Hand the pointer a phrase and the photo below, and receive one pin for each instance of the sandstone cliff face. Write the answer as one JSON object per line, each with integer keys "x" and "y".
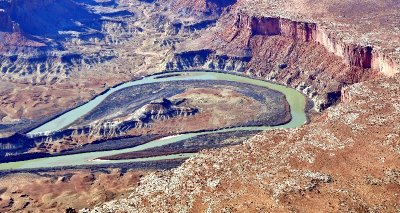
{"x": 300, "y": 54}
{"x": 345, "y": 160}
{"x": 245, "y": 26}
{"x": 207, "y": 60}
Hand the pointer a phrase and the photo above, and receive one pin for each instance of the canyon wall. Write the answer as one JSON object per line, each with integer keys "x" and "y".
{"x": 327, "y": 164}
{"x": 301, "y": 55}
{"x": 206, "y": 59}
{"x": 353, "y": 54}
{"x": 38, "y": 38}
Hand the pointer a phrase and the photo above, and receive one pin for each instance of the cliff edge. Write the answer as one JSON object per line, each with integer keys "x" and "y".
{"x": 318, "y": 51}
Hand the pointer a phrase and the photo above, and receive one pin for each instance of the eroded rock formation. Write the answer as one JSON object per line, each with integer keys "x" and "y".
{"x": 15, "y": 144}
{"x": 246, "y": 26}
{"x": 59, "y": 50}
{"x": 346, "y": 159}
{"x": 286, "y": 51}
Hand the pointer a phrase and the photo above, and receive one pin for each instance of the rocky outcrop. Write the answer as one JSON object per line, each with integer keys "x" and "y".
{"x": 102, "y": 130}
{"x": 44, "y": 65}
{"x": 164, "y": 109}
{"x": 299, "y": 54}
{"x": 141, "y": 118}
{"x": 385, "y": 64}
{"x": 207, "y": 60}
{"x": 244, "y": 27}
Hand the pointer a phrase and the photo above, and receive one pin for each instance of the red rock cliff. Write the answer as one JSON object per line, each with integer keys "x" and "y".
{"x": 244, "y": 27}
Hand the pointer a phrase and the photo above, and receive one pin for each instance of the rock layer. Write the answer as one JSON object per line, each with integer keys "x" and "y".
{"x": 352, "y": 54}
{"x": 265, "y": 46}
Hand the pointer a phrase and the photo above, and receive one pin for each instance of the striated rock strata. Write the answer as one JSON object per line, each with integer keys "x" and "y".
{"x": 363, "y": 56}
{"x": 302, "y": 54}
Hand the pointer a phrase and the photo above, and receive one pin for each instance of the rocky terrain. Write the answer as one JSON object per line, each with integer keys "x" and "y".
{"x": 345, "y": 160}
{"x": 54, "y": 64}
{"x": 344, "y": 55}
{"x": 54, "y": 192}
{"x": 196, "y": 8}
{"x": 192, "y": 145}
{"x": 70, "y": 189}
{"x": 53, "y": 59}
{"x": 55, "y": 55}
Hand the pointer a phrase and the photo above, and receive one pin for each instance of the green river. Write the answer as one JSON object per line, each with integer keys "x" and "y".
{"x": 295, "y": 99}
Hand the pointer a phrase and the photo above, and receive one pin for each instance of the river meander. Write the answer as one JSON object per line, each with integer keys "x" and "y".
{"x": 295, "y": 99}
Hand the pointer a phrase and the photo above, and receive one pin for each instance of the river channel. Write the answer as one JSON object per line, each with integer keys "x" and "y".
{"x": 295, "y": 99}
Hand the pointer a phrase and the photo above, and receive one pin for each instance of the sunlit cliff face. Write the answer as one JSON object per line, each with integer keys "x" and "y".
{"x": 352, "y": 54}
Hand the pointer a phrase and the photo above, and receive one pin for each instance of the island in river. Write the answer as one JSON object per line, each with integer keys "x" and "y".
{"x": 158, "y": 106}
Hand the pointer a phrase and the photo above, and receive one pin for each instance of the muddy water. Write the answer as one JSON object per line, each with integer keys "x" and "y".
{"x": 295, "y": 99}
